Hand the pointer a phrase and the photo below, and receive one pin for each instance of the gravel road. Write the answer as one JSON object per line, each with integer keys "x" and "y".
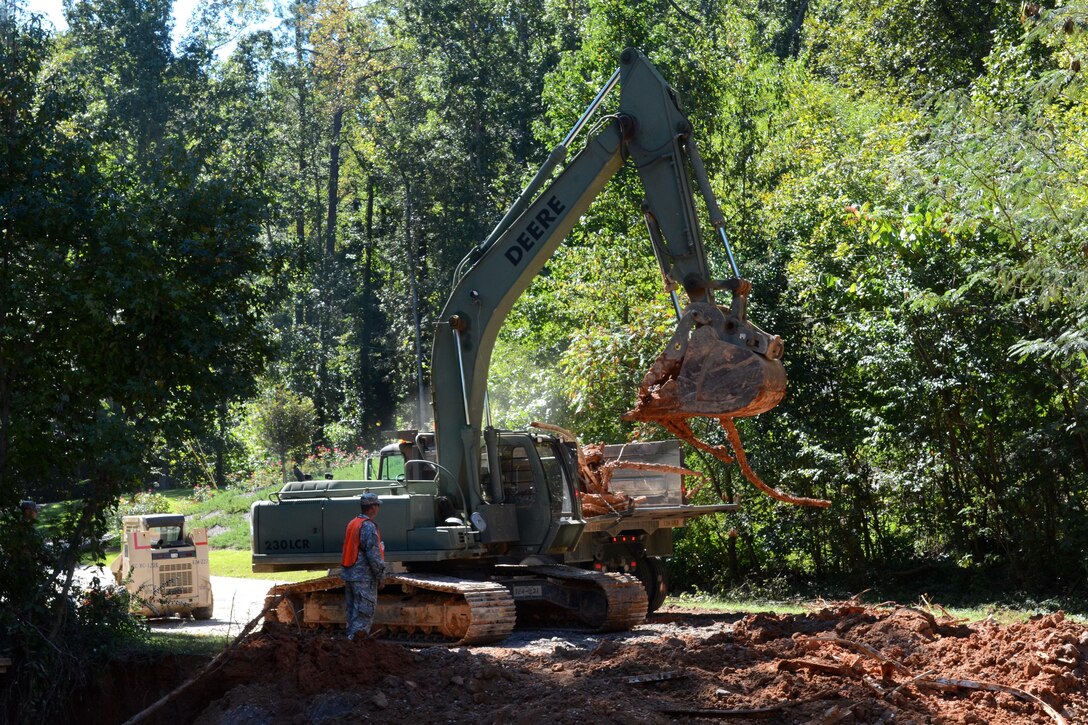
{"x": 237, "y": 601}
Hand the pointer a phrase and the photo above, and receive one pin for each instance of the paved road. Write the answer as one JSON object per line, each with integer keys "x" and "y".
{"x": 236, "y": 602}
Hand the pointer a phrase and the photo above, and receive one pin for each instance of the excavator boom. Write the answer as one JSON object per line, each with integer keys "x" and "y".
{"x": 716, "y": 365}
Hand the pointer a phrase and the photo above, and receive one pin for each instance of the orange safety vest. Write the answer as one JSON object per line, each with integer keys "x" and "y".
{"x": 351, "y": 540}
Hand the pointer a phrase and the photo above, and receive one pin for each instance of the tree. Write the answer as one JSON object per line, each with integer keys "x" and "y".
{"x": 130, "y": 302}
{"x": 284, "y": 423}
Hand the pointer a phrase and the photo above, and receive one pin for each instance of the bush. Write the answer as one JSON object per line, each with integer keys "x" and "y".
{"x": 324, "y": 460}
{"x": 201, "y": 493}
{"x": 142, "y": 503}
{"x": 56, "y": 642}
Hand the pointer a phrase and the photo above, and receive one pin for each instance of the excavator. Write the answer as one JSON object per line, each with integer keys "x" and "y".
{"x": 477, "y": 533}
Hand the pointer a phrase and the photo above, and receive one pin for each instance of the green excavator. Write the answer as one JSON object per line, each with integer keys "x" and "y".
{"x": 479, "y": 534}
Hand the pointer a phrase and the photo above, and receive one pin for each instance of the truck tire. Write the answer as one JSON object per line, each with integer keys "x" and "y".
{"x": 659, "y": 582}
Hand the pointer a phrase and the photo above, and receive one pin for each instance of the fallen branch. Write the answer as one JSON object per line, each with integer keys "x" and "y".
{"x": 220, "y": 659}
{"x": 941, "y": 683}
{"x": 913, "y": 681}
{"x": 861, "y": 648}
{"x": 953, "y": 683}
{"x": 952, "y": 620}
{"x": 826, "y": 668}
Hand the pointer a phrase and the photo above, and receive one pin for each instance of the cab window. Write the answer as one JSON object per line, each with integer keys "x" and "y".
{"x": 558, "y": 491}
{"x": 166, "y": 536}
{"x": 517, "y": 474}
{"x": 390, "y": 467}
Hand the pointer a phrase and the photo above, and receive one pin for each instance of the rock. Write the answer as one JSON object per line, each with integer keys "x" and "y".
{"x": 457, "y": 680}
{"x": 380, "y": 700}
{"x": 558, "y": 667}
{"x": 332, "y": 706}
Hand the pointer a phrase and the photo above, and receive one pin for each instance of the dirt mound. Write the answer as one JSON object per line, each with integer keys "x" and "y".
{"x": 843, "y": 663}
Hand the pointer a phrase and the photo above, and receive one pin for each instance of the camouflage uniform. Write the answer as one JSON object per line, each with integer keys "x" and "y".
{"x": 363, "y": 579}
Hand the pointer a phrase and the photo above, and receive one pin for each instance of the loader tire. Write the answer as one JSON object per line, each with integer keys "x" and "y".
{"x": 201, "y": 613}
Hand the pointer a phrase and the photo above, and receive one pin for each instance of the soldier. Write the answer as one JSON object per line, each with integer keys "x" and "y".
{"x": 30, "y": 510}
{"x": 363, "y": 563}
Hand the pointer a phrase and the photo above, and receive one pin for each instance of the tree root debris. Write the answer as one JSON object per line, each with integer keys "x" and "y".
{"x": 841, "y": 663}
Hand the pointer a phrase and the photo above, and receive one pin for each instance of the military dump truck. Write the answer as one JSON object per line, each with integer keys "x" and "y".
{"x": 164, "y": 565}
{"x": 480, "y": 540}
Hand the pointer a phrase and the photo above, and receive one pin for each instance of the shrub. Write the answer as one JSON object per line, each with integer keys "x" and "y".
{"x": 145, "y": 502}
{"x": 201, "y": 493}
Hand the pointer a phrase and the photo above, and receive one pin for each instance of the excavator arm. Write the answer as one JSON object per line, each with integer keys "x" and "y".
{"x": 717, "y": 364}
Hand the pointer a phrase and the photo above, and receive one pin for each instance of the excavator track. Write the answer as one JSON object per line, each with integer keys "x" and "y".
{"x": 626, "y": 604}
{"x": 486, "y": 613}
{"x": 432, "y": 609}
{"x": 428, "y": 610}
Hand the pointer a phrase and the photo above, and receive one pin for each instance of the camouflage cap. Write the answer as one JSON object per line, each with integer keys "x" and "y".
{"x": 369, "y": 499}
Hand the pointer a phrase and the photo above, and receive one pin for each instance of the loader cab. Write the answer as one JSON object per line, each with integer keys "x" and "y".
{"x": 410, "y": 458}
{"x": 166, "y": 530}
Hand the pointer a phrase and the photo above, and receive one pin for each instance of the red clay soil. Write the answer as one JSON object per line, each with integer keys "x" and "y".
{"x": 841, "y": 664}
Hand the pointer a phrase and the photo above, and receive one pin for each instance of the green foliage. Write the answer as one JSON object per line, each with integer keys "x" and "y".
{"x": 130, "y": 296}
{"x": 916, "y": 47}
{"x": 282, "y": 423}
{"x": 140, "y": 504}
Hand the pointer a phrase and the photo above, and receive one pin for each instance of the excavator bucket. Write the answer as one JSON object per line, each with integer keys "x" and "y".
{"x": 717, "y": 365}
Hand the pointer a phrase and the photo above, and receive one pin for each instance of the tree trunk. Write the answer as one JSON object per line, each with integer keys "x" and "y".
{"x": 220, "y": 447}
{"x": 334, "y": 181}
{"x": 415, "y": 261}
{"x": 300, "y": 211}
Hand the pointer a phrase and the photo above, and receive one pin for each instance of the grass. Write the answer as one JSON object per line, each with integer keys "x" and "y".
{"x": 1000, "y": 613}
{"x": 159, "y": 642}
{"x": 752, "y": 606}
{"x": 237, "y": 563}
{"x": 225, "y": 514}
{"x": 355, "y": 472}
